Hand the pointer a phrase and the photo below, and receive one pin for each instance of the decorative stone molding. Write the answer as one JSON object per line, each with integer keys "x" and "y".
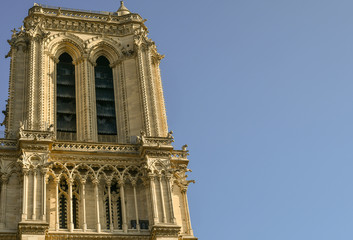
{"x": 87, "y": 147}
{"x": 164, "y": 231}
{"x": 83, "y": 21}
{"x": 36, "y": 135}
{"x": 95, "y": 236}
{"x": 30, "y": 228}
{"x": 8, "y": 236}
{"x": 8, "y": 144}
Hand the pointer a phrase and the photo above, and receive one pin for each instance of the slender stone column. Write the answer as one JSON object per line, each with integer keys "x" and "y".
{"x": 57, "y": 225}
{"x": 34, "y": 215}
{"x": 83, "y": 184}
{"x": 4, "y": 180}
{"x": 71, "y": 213}
{"x": 170, "y": 198}
{"x": 123, "y": 207}
{"x": 95, "y": 182}
{"x": 44, "y": 196}
{"x": 162, "y": 198}
{"x": 25, "y": 194}
{"x": 187, "y": 212}
{"x": 136, "y": 208}
{"x": 111, "y": 226}
{"x": 153, "y": 199}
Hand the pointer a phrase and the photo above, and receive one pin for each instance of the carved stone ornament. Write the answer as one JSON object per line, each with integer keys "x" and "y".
{"x": 32, "y": 228}
{"x": 165, "y": 231}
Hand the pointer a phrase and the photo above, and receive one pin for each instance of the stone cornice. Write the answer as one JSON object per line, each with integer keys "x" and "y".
{"x": 59, "y": 236}
{"x": 165, "y": 231}
{"x": 96, "y": 147}
{"x": 33, "y": 228}
{"x": 81, "y": 21}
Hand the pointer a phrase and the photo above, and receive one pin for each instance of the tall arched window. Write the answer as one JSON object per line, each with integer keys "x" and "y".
{"x": 65, "y": 98}
{"x": 105, "y": 100}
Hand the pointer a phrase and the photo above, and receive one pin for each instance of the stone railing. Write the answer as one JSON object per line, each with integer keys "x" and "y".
{"x": 8, "y": 144}
{"x": 156, "y": 141}
{"x": 87, "y": 15}
{"x": 87, "y": 147}
{"x": 179, "y": 155}
{"x": 36, "y": 135}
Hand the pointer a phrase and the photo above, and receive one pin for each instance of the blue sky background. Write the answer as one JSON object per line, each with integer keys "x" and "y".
{"x": 262, "y": 92}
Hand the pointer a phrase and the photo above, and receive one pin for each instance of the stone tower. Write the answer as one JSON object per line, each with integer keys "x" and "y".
{"x": 87, "y": 153}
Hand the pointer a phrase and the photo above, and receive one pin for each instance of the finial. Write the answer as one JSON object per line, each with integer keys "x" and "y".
{"x": 122, "y": 10}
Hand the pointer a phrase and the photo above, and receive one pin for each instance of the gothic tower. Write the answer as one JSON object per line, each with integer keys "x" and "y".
{"x": 87, "y": 153}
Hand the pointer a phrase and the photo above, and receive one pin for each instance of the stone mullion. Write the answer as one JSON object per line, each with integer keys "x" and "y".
{"x": 87, "y": 79}
{"x": 25, "y": 195}
{"x": 44, "y": 194}
{"x": 123, "y": 207}
{"x": 78, "y": 82}
{"x": 52, "y": 89}
{"x": 143, "y": 91}
{"x": 153, "y": 199}
{"x": 83, "y": 184}
{"x": 96, "y": 193}
{"x": 111, "y": 227}
{"x": 152, "y": 94}
{"x": 42, "y": 125}
{"x": 118, "y": 100}
{"x": 57, "y": 225}
{"x": 162, "y": 110}
{"x": 10, "y": 114}
{"x": 34, "y": 216}
{"x": 92, "y": 93}
{"x": 162, "y": 199}
{"x": 31, "y": 86}
{"x": 170, "y": 199}
{"x": 70, "y": 211}
{"x": 121, "y": 101}
{"x": 136, "y": 207}
{"x": 187, "y": 212}
{"x": 3, "y": 200}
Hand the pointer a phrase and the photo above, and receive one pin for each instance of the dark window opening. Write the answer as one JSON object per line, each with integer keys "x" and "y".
{"x": 65, "y": 95}
{"x": 105, "y": 100}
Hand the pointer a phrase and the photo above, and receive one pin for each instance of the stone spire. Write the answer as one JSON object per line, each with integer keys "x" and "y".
{"x": 122, "y": 10}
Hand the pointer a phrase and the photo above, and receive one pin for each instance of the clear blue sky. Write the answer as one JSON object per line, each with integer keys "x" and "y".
{"x": 262, "y": 92}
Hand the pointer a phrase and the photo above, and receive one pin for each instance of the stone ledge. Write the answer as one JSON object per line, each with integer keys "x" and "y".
{"x": 88, "y": 236}
{"x": 33, "y": 228}
{"x": 171, "y": 231}
{"x": 8, "y": 236}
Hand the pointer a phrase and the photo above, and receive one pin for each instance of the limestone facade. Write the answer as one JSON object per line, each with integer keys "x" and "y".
{"x": 84, "y": 183}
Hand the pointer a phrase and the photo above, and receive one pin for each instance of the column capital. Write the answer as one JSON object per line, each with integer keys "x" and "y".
{"x": 95, "y": 181}
{"x": 70, "y": 181}
{"x": 56, "y": 180}
{"x": 4, "y": 179}
{"x": 25, "y": 171}
{"x": 134, "y": 182}
{"x": 108, "y": 182}
{"x": 121, "y": 182}
{"x": 44, "y": 171}
{"x": 83, "y": 181}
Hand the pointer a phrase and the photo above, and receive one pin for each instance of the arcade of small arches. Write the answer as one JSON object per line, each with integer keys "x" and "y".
{"x": 121, "y": 196}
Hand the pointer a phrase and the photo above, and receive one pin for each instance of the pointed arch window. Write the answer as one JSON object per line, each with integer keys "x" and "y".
{"x": 65, "y": 96}
{"x": 105, "y": 99}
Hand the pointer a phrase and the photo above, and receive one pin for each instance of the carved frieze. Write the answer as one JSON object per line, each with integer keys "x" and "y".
{"x": 165, "y": 231}
{"x": 32, "y": 228}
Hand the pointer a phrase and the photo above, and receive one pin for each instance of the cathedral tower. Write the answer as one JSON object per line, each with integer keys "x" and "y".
{"x": 87, "y": 153}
